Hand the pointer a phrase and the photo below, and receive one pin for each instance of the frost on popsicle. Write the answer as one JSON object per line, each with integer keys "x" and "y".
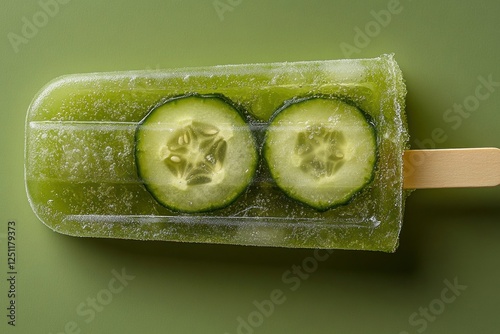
{"x": 105, "y": 153}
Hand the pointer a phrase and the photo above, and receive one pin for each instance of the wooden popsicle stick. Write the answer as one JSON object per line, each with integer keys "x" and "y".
{"x": 451, "y": 168}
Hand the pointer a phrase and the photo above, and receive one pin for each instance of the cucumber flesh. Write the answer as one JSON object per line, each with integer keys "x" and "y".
{"x": 195, "y": 153}
{"x": 321, "y": 151}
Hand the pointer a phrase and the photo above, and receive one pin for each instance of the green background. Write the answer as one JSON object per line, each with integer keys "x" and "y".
{"x": 448, "y": 235}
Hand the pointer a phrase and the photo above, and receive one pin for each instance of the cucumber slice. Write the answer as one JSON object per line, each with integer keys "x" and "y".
{"x": 320, "y": 151}
{"x": 195, "y": 153}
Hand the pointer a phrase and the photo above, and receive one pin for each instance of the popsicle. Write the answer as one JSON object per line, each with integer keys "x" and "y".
{"x": 296, "y": 154}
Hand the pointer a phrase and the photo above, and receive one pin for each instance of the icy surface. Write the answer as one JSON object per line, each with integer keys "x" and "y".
{"x": 81, "y": 174}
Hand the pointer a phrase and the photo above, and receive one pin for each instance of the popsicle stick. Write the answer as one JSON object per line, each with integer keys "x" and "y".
{"x": 451, "y": 168}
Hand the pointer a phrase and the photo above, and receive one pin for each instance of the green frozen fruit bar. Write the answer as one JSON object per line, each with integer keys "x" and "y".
{"x": 295, "y": 154}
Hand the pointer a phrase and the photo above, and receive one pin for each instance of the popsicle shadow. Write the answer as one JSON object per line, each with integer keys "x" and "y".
{"x": 421, "y": 217}
{"x": 405, "y": 261}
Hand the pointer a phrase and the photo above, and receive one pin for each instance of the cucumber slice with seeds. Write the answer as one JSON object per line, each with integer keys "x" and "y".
{"x": 195, "y": 153}
{"x": 320, "y": 151}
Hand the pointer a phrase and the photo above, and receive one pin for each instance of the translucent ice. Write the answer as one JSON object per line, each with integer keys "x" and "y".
{"x": 81, "y": 172}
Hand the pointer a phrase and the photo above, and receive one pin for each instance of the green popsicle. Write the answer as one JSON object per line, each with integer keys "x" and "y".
{"x": 81, "y": 152}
